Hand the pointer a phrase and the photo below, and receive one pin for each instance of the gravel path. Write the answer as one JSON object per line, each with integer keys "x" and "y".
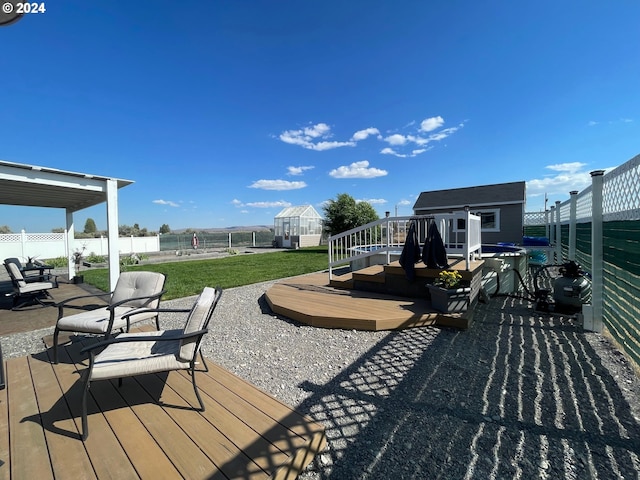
{"x": 516, "y": 396}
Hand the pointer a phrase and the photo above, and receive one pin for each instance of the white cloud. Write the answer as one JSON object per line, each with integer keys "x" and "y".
{"x": 320, "y": 146}
{"x": 363, "y": 134}
{"x": 566, "y": 178}
{"x": 308, "y": 138}
{"x": 388, "y": 151}
{"x": 357, "y": 170}
{"x": 403, "y": 203}
{"x": 166, "y": 202}
{"x": 280, "y": 203}
{"x": 430, "y": 124}
{"x": 277, "y": 185}
{"x": 396, "y": 139}
{"x": 297, "y": 170}
{"x": 373, "y": 201}
{"x": 318, "y": 137}
{"x": 236, "y": 202}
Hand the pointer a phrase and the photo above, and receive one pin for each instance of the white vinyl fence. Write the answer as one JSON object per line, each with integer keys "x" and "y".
{"x": 44, "y": 246}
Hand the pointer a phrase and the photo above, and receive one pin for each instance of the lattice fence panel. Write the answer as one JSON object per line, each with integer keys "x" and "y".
{"x": 44, "y": 237}
{"x": 535, "y": 218}
{"x": 583, "y": 205}
{"x": 621, "y": 192}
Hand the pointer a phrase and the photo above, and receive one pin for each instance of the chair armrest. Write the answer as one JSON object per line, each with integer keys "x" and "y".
{"x": 158, "y": 310}
{"x": 142, "y": 338}
{"x": 149, "y": 298}
{"x": 61, "y": 305}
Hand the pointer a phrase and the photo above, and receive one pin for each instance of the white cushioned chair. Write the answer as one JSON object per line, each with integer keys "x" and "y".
{"x": 141, "y": 353}
{"x": 25, "y": 293}
{"x": 135, "y": 293}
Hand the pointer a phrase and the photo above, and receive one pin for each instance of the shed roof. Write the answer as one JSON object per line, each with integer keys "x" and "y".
{"x": 496, "y": 194}
{"x": 299, "y": 211}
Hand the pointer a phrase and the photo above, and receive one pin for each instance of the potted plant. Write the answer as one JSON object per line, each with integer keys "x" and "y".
{"x": 31, "y": 261}
{"x": 448, "y": 294}
{"x": 78, "y": 255}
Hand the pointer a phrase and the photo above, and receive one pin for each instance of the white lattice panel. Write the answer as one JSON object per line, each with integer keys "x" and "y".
{"x": 10, "y": 237}
{"x": 45, "y": 237}
{"x": 621, "y": 192}
{"x": 535, "y": 218}
{"x": 583, "y": 205}
{"x": 565, "y": 211}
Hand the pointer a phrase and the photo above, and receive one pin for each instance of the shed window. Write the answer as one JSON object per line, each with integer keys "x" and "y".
{"x": 489, "y": 221}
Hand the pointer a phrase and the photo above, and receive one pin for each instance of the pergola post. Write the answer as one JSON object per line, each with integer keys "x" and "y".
{"x": 112, "y": 232}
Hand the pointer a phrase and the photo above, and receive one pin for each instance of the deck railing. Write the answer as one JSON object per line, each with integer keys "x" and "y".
{"x": 388, "y": 235}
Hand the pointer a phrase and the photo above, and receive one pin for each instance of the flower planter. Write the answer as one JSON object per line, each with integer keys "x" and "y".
{"x": 451, "y": 300}
{"x": 78, "y": 279}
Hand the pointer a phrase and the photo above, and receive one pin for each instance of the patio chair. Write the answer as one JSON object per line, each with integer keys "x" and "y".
{"x": 135, "y": 293}
{"x": 25, "y": 293}
{"x": 29, "y": 272}
{"x": 141, "y": 353}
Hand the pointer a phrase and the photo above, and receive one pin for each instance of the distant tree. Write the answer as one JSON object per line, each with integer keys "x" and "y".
{"x": 90, "y": 226}
{"x": 58, "y": 230}
{"x": 344, "y": 213}
{"x": 5, "y": 229}
{"x": 165, "y": 229}
{"x": 125, "y": 230}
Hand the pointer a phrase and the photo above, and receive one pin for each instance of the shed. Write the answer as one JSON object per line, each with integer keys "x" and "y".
{"x": 500, "y": 207}
{"x": 298, "y": 227}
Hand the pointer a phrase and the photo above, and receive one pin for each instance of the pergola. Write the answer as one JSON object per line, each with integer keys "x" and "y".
{"x": 34, "y": 186}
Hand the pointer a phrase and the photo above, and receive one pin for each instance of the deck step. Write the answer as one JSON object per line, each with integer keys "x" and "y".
{"x": 374, "y": 274}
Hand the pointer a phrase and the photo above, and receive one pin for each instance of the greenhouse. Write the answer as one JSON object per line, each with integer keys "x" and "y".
{"x": 298, "y": 227}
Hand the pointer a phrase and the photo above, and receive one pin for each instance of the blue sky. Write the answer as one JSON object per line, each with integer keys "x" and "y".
{"x": 224, "y": 112}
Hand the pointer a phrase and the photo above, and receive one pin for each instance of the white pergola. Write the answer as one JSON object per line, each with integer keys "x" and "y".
{"x": 34, "y": 186}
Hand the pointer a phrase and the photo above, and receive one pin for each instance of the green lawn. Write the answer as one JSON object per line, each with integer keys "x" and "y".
{"x": 186, "y": 278}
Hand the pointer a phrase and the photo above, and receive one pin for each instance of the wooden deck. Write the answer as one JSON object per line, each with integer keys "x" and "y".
{"x": 146, "y": 428}
{"x": 311, "y": 300}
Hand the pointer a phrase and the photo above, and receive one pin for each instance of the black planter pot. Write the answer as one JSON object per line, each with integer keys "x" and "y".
{"x": 78, "y": 279}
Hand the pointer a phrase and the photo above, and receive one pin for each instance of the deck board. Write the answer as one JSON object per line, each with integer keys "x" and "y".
{"x": 146, "y": 428}
{"x": 311, "y": 300}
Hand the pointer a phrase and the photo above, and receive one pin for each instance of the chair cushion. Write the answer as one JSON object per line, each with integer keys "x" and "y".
{"x": 97, "y": 321}
{"x": 197, "y": 320}
{"x": 138, "y": 358}
{"x": 35, "y": 287}
{"x": 138, "y": 284}
{"x": 15, "y": 274}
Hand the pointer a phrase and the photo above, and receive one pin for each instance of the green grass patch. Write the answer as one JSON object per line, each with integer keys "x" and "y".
{"x": 189, "y": 277}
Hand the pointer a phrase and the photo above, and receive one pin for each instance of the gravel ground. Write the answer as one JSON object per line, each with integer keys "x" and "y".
{"x": 518, "y": 395}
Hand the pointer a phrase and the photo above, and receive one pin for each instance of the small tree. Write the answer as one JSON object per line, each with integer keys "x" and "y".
{"x": 90, "y": 226}
{"x": 164, "y": 229}
{"x": 5, "y": 229}
{"x": 344, "y": 213}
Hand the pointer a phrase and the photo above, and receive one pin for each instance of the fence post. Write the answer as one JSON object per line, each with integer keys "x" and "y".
{"x": 558, "y": 234}
{"x": 253, "y": 239}
{"x": 388, "y": 238}
{"x": 551, "y": 217}
{"x": 572, "y": 224}
{"x": 596, "y": 248}
{"x": 229, "y": 240}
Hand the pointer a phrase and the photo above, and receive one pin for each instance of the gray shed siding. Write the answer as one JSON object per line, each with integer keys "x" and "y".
{"x": 507, "y": 198}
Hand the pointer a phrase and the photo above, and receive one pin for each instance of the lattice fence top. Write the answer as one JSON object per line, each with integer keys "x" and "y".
{"x": 45, "y": 237}
{"x": 535, "y": 218}
{"x": 621, "y": 192}
{"x": 620, "y": 199}
{"x": 10, "y": 237}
